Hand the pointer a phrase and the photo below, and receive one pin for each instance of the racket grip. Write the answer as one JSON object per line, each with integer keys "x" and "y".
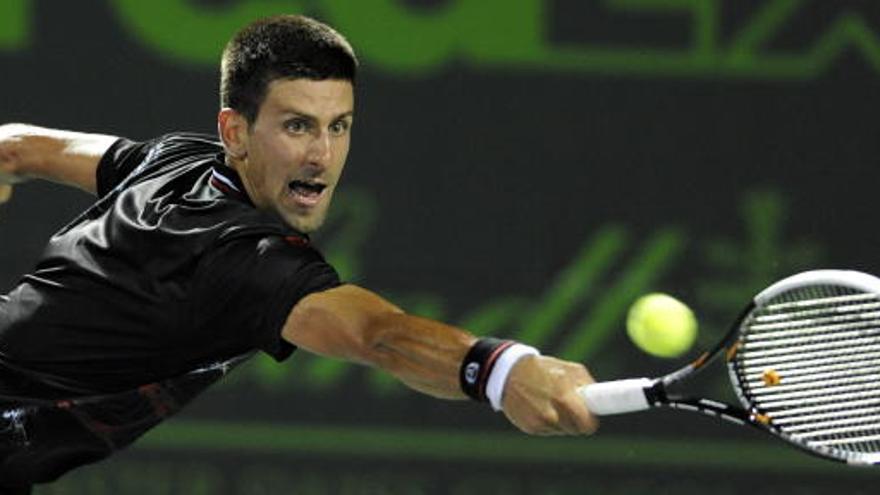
{"x": 616, "y": 397}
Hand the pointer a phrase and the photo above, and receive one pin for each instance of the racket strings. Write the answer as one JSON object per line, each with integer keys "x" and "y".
{"x": 827, "y": 363}
{"x": 808, "y": 397}
{"x": 843, "y": 325}
{"x": 813, "y": 370}
{"x": 847, "y": 353}
{"x": 818, "y": 345}
{"x": 804, "y": 422}
{"x": 869, "y": 309}
{"x": 805, "y": 389}
{"x": 809, "y": 359}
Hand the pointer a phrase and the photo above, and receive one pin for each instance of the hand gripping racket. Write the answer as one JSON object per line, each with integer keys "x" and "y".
{"x": 804, "y": 360}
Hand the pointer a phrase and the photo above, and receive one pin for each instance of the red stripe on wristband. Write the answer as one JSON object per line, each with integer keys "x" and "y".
{"x": 490, "y": 365}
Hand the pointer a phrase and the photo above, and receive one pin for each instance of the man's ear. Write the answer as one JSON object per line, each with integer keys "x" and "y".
{"x": 233, "y": 127}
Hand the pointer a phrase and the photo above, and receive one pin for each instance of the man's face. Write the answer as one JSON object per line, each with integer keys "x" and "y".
{"x": 296, "y": 148}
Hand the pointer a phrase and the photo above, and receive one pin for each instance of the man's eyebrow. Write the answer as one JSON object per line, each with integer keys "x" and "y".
{"x": 299, "y": 113}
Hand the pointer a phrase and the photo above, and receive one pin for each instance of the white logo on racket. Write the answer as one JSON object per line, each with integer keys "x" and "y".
{"x": 471, "y": 371}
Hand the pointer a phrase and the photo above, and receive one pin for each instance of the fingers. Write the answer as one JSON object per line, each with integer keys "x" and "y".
{"x": 542, "y": 398}
{"x": 564, "y": 418}
{"x": 571, "y": 417}
{"x": 575, "y": 419}
{"x": 541, "y": 424}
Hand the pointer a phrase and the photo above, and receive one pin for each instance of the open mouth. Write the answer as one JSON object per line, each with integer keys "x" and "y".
{"x": 305, "y": 191}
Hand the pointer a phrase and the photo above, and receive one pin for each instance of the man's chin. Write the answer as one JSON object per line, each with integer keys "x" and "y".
{"x": 305, "y": 223}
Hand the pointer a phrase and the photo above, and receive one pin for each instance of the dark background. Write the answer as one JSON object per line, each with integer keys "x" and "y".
{"x": 481, "y": 179}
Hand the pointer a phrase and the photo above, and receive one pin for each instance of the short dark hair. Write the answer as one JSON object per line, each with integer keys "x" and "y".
{"x": 280, "y": 47}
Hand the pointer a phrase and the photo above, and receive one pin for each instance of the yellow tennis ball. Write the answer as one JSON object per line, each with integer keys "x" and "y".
{"x": 661, "y": 325}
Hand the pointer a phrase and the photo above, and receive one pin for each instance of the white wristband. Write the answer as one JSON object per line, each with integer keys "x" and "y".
{"x": 498, "y": 377}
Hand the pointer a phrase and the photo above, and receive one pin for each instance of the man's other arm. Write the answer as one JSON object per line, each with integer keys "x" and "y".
{"x": 66, "y": 157}
{"x": 352, "y": 323}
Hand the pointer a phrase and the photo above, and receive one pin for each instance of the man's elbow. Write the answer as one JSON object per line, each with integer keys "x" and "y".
{"x": 13, "y": 152}
{"x": 346, "y": 322}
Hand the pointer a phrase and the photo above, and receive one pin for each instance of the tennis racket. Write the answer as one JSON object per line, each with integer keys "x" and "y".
{"x": 804, "y": 360}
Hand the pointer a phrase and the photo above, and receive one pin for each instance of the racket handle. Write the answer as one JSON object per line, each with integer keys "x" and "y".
{"x": 616, "y": 397}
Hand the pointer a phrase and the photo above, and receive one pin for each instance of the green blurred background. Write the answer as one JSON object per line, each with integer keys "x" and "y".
{"x": 524, "y": 168}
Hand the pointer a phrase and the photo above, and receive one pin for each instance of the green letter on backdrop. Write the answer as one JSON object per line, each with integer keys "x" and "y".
{"x": 14, "y": 23}
{"x": 387, "y": 32}
{"x": 405, "y": 38}
{"x": 190, "y": 33}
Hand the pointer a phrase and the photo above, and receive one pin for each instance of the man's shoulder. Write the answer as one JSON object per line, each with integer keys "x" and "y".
{"x": 186, "y": 142}
{"x": 172, "y": 153}
{"x": 128, "y": 160}
{"x": 195, "y": 138}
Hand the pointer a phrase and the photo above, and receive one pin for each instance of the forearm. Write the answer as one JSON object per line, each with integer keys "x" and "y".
{"x": 357, "y": 325}
{"x": 66, "y": 157}
{"x": 538, "y": 394}
{"x": 424, "y": 354}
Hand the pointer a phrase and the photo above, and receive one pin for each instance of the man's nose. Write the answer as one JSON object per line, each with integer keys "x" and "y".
{"x": 320, "y": 150}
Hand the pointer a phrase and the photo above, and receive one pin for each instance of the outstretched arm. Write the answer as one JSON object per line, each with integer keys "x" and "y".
{"x": 352, "y": 323}
{"x": 66, "y": 157}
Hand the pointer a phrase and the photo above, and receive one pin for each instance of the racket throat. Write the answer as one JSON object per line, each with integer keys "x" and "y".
{"x": 656, "y": 394}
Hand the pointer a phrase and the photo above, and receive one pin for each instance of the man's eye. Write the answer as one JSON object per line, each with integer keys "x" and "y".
{"x": 339, "y": 127}
{"x": 296, "y": 126}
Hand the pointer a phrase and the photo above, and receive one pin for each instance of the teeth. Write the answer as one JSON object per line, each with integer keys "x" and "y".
{"x": 310, "y": 186}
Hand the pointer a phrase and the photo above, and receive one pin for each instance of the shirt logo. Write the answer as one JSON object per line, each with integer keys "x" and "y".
{"x": 296, "y": 240}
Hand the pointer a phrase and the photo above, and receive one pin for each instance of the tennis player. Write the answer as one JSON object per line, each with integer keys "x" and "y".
{"x": 196, "y": 255}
